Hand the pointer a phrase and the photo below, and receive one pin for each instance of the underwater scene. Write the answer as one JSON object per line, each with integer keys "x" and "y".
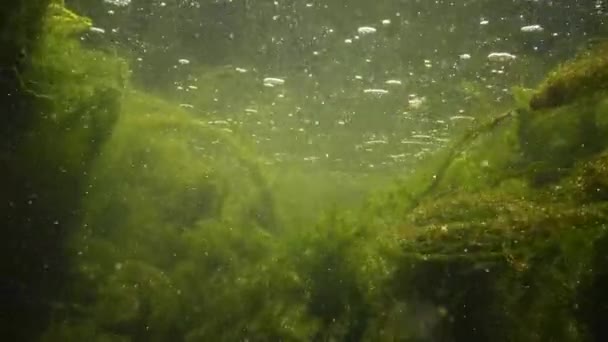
{"x": 304, "y": 170}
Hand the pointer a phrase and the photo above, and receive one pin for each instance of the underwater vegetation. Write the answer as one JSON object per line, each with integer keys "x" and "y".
{"x": 583, "y": 76}
{"x": 169, "y": 228}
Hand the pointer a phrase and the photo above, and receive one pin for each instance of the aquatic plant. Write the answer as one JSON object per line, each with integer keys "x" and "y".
{"x": 579, "y": 77}
{"x": 173, "y": 231}
{"x": 56, "y": 124}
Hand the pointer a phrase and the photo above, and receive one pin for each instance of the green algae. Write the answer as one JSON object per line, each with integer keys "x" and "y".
{"x": 56, "y": 124}
{"x": 177, "y": 235}
{"x": 583, "y": 76}
{"x": 510, "y": 262}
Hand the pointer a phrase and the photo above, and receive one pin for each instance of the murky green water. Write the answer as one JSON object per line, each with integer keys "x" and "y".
{"x": 240, "y": 170}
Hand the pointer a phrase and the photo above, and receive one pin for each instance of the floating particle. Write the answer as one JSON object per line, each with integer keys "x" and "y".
{"x": 393, "y": 82}
{"x": 415, "y": 142}
{"x": 119, "y": 3}
{"x": 348, "y": 41}
{"x": 241, "y": 70}
{"x": 461, "y": 117}
{"x": 386, "y": 22}
{"x": 532, "y": 28}
{"x": 416, "y": 102}
{"x": 376, "y": 142}
{"x": 363, "y": 30}
{"x": 397, "y": 156}
{"x": 219, "y": 122}
{"x": 464, "y": 56}
{"x": 501, "y": 57}
{"x": 183, "y": 61}
{"x": 376, "y": 91}
{"x": 484, "y": 22}
{"x": 273, "y": 81}
{"x": 97, "y": 30}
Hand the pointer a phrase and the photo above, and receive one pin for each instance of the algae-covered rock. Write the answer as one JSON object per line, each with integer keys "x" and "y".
{"x": 513, "y": 252}
{"x": 583, "y": 76}
{"x": 60, "y": 102}
{"x": 163, "y": 182}
{"x": 503, "y": 268}
{"x": 553, "y": 141}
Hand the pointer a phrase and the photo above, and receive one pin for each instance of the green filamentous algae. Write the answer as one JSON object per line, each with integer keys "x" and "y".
{"x": 418, "y": 171}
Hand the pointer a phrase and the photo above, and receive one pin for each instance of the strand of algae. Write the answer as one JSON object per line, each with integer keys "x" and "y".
{"x": 455, "y": 150}
{"x": 582, "y": 76}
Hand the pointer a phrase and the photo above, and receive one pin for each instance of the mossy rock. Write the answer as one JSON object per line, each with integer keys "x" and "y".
{"x": 162, "y": 171}
{"x": 61, "y": 106}
{"x": 581, "y": 77}
{"x": 503, "y": 267}
{"x": 171, "y": 198}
